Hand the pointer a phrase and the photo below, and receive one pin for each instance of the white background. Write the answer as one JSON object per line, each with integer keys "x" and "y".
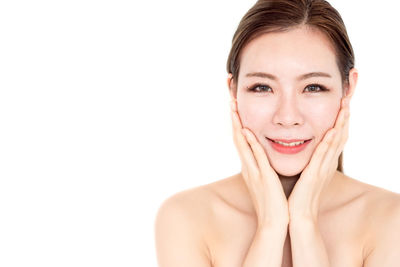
{"x": 109, "y": 107}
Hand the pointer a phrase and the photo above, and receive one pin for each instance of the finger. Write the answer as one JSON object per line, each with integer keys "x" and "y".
{"x": 341, "y": 127}
{"x": 338, "y": 128}
{"x": 245, "y": 153}
{"x": 344, "y": 111}
{"x": 259, "y": 153}
{"x": 337, "y": 144}
{"x": 344, "y": 134}
{"x": 320, "y": 154}
{"x": 330, "y": 160}
{"x": 344, "y": 131}
{"x": 320, "y": 151}
{"x": 269, "y": 178}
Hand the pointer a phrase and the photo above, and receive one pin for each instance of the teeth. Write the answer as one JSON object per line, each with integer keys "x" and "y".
{"x": 290, "y": 144}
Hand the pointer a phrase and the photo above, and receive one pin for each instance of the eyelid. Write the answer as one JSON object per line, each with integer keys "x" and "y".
{"x": 322, "y": 88}
{"x": 254, "y": 86}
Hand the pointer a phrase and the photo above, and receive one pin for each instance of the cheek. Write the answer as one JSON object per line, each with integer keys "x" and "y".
{"x": 254, "y": 115}
{"x": 322, "y": 117}
{"x": 318, "y": 116}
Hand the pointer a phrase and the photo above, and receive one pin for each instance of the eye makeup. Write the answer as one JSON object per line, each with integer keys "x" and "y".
{"x": 262, "y": 88}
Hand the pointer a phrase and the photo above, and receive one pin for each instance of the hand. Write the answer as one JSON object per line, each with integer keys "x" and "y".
{"x": 305, "y": 197}
{"x": 263, "y": 184}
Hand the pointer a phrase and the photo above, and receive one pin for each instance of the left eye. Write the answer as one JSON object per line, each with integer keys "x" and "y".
{"x": 315, "y": 88}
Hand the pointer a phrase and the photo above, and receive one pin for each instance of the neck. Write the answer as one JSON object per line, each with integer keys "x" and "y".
{"x": 288, "y": 183}
{"x": 334, "y": 190}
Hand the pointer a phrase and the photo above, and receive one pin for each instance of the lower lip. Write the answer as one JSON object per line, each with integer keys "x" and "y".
{"x": 288, "y": 149}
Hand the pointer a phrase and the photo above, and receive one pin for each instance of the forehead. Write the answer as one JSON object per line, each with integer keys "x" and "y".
{"x": 289, "y": 53}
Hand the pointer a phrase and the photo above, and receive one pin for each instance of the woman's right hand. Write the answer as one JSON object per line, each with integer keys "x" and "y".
{"x": 263, "y": 184}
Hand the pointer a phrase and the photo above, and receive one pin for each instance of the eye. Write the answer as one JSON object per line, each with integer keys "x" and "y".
{"x": 316, "y": 88}
{"x": 259, "y": 88}
{"x": 263, "y": 88}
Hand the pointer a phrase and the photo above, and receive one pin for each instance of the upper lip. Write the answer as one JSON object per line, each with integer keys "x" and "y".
{"x": 288, "y": 140}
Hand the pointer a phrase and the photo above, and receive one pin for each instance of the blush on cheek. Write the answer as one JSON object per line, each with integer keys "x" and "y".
{"x": 256, "y": 124}
{"x": 324, "y": 114}
{"x": 252, "y": 116}
{"x": 326, "y": 123}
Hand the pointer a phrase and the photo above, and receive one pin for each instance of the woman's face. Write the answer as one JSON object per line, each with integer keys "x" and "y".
{"x": 284, "y": 105}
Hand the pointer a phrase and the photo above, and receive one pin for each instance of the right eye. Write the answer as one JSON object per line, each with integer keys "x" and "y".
{"x": 259, "y": 88}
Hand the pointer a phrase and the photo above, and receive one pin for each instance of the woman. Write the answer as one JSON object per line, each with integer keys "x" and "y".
{"x": 291, "y": 77}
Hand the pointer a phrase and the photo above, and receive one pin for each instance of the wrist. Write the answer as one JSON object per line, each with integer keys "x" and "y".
{"x": 273, "y": 226}
{"x": 302, "y": 222}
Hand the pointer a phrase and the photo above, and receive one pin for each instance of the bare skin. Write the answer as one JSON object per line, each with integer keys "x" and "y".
{"x": 229, "y": 220}
{"x": 217, "y": 224}
{"x": 220, "y": 224}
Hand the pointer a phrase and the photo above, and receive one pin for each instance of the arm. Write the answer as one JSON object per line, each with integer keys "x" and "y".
{"x": 308, "y": 248}
{"x": 178, "y": 239}
{"x": 267, "y": 247}
{"x": 267, "y": 195}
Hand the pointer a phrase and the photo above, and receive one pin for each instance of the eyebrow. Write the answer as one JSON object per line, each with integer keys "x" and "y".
{"x": 300, "y": 78}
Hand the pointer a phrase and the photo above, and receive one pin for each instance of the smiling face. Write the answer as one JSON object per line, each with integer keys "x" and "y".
{"x": 283, "y": 104}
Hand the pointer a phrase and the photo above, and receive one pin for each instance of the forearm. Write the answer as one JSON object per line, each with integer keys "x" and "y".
{"x": 267, "y": 247}
{"x": 308, "y": 248}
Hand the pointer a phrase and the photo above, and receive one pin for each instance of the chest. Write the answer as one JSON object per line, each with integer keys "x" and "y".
{"x": 233, "y": 234}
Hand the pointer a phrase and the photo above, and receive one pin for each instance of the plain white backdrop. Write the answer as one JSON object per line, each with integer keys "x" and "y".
{"x": 107, "y": 108}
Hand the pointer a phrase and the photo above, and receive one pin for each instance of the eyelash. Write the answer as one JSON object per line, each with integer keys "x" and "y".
{"x": 252, "y": 88}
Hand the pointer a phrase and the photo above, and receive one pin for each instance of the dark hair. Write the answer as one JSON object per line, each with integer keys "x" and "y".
{"x": 267, "y": 16}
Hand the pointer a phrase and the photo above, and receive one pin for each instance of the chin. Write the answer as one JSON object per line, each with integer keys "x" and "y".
{"x": 286, "y": 171}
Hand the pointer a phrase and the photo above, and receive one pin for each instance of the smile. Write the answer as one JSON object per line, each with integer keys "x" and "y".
{"x": 289, "y": 147}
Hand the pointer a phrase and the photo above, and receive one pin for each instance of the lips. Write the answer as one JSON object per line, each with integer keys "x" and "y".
{"x": 288, "y": 149}
{"x": 288, "y": 140}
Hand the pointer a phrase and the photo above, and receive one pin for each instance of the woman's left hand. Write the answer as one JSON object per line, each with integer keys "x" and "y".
{"x": 304, "y": 199}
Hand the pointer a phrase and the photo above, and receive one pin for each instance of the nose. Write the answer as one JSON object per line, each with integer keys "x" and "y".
{"x": 287, "y": 112}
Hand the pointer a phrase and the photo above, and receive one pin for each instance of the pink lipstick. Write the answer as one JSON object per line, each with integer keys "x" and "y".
{"x": 293, "y": 148}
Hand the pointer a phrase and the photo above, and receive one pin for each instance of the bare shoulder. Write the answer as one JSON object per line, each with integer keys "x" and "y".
{"x": 378, "y": 201}
{"x": 186, "y": 222}
{"x": 181, "y": 228}
{"x": 381, "y": 215}
{"x": 193, "y": 200}
{"x": 201, "y": 203}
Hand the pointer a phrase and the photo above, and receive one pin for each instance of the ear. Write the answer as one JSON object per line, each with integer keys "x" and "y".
{"x": 353, "y": 77}
{"x": 231, "y": 87}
